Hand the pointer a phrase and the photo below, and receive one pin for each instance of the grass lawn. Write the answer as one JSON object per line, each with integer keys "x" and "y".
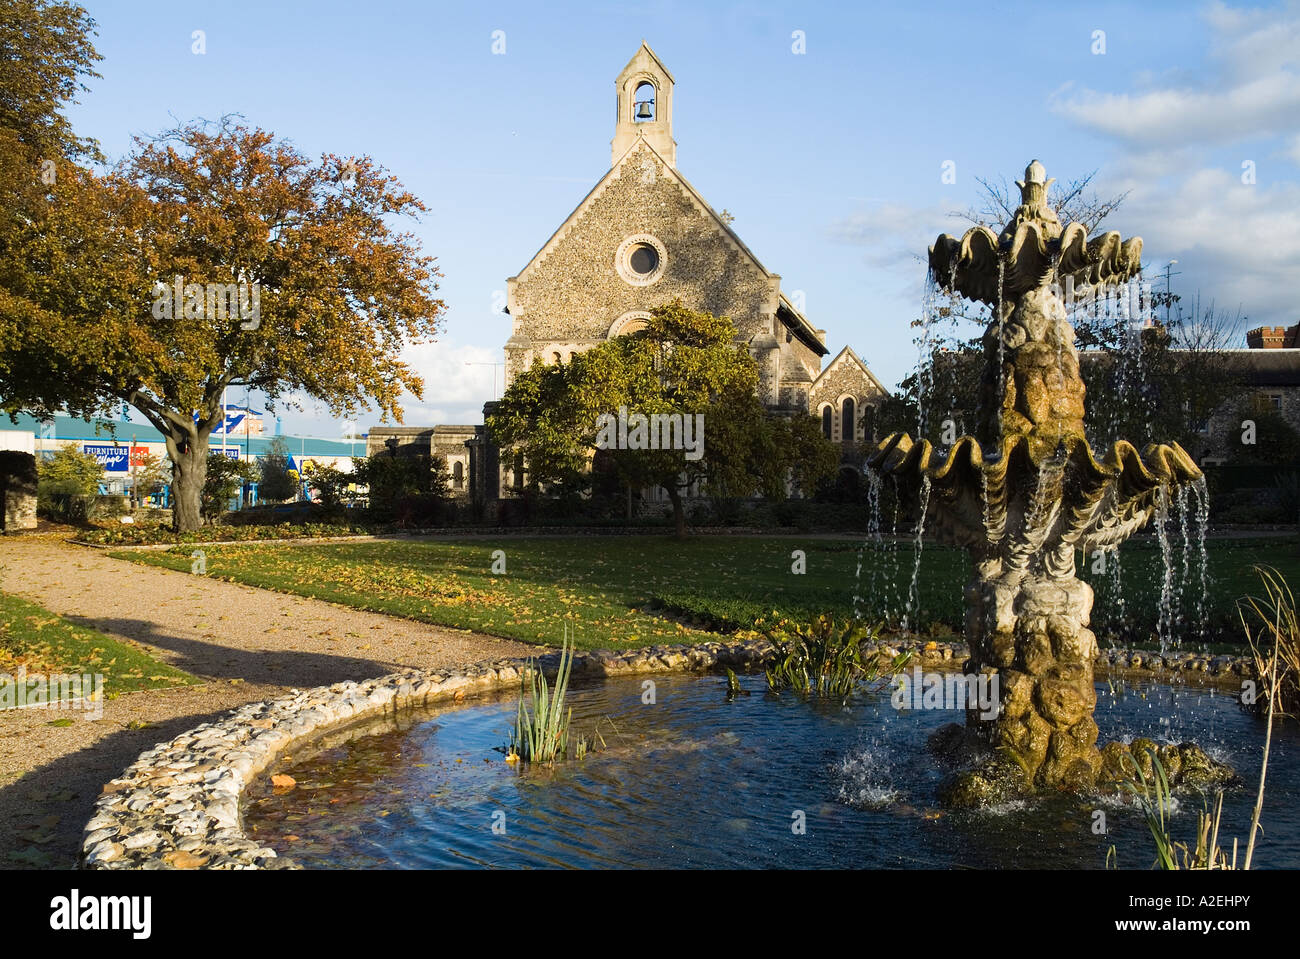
{"x": 33, "y": 637}
{"x": 623, "y": 591}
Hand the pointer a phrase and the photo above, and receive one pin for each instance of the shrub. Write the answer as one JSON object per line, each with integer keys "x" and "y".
{"x": 393, "y": 479}
{"x": 224, "y": 478}
{"x": 138, "y": 535}
{"x": 67, "y": 485}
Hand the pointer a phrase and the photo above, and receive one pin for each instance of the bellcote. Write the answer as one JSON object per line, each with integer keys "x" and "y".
{"x": 645, "y": 106}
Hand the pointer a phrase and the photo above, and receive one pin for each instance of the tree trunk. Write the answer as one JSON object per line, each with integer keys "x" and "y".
{"x": 679, "y": 511}
{"x": 190, "y": 469}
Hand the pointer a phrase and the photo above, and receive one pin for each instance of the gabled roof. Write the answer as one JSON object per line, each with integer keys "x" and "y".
{"x": 786, "y": 311}
{"x": 653, "y": 56}
{"x": 848, "y": 356}
{"x": 615, "y": 172}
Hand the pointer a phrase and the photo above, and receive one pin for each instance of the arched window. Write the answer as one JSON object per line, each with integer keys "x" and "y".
{"x": 828, "y": 421}
{"x": 848, "y": 422}
{"x": 557, "y": 359}
{"x": 869, "y": 423}
{"x": 458, "y": 475}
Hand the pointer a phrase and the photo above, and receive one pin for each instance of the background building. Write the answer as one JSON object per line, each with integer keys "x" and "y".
{"x": 642, "y": 237}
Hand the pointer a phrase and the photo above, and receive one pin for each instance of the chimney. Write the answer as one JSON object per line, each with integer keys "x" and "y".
{"x": 1274, "y": 337}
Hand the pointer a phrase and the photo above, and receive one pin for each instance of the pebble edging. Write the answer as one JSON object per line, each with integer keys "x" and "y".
{"x": 177, "y": 806}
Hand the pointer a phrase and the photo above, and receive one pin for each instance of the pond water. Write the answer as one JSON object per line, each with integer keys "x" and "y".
{"x": 695, "y": 780}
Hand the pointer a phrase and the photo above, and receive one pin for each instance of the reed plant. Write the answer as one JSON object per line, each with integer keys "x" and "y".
{"x": 1272, "y": 629}
{"x": 541, "y": 733}
{"x": 1155, "y": 798}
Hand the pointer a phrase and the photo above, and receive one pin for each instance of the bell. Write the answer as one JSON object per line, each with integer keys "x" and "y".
{"x": 643, "y": 111}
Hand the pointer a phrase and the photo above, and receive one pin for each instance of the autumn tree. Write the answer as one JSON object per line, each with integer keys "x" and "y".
{"x": 215, "y": 255}
{"x": 46, "y": 57}
{"x": 685, "y": 364}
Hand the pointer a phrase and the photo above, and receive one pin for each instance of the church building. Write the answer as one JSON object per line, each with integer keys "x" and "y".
{"x": 641, "y": 238}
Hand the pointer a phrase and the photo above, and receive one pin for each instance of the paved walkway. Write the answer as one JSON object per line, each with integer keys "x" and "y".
{"x": 248, "y": 644}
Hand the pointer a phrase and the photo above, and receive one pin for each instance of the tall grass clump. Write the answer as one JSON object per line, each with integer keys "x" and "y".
{"x": 541, "y": 732}
{"x": 828, "y": 660}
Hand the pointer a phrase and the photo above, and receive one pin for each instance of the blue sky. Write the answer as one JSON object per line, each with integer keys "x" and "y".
{"x": 830, "y": 160}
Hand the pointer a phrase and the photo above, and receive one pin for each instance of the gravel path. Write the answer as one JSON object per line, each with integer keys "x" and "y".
{"x": 247, "y": 644}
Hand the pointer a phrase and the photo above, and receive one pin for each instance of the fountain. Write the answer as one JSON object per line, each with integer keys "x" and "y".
{"x": 1028, "y": 491}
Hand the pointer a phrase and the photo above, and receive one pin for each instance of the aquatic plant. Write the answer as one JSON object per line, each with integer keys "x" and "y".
{"x": 1155, "y": 798}
{"x": 829, "y": 660}
{"x": 1277, "y": 624}
{"x": 541, "y": 732}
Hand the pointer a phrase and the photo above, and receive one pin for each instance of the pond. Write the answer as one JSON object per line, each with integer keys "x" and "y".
{"x": 692, "y": 780}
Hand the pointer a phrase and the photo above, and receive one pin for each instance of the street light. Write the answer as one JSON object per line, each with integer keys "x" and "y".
{"x": 1169, "y": 299}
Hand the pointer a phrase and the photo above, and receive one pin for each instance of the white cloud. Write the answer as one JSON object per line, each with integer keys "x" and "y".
{"x": 1251, "y": 87}
{"x": 456, "y": 382}
{"x": 1237, "y": 245}
{"x": 896, "y": 235}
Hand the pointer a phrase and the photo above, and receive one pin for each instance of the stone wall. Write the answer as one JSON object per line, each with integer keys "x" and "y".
{"x": 18, "y": 482}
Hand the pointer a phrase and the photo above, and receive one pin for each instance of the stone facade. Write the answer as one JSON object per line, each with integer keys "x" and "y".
{"x": 446, "y": 442}
{"x": 1272, "y": 376}
{"x": 845, "y": 397}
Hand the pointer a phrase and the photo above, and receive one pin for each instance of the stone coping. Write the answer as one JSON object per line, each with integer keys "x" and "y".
{"x": 177, "y": 806}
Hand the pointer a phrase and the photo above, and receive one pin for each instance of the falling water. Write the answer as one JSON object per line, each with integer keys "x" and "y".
{"x": 1117, "y": 585}
{"x": 1164, "y": 624}
{"x": 1002, "y": 370}
{"x": 1182, "y": 505}
{"x": 892, "y": 587}
{"x": 874, "y": 538}
{"x": 914, "y": 592}
{"x": 1201, "y": 494}
{"x": 925, "y": 359}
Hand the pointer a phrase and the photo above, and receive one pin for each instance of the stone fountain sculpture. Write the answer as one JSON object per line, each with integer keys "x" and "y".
{"x": 1028, "y": 490}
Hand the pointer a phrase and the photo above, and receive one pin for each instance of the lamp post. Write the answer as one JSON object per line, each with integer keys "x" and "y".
{"x": 495, "y": 367}
{"x": 1169, "y": 299}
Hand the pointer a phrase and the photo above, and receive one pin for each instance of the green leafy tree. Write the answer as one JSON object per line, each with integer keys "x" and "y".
{"x": 215, "y": 255}
{"x": 685, "y": 363}
{"x": 222, "y": 481}
{"x": 277, "y": 482}
{"x": 329, "y": 483}
{"x": 392, "y": 479}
